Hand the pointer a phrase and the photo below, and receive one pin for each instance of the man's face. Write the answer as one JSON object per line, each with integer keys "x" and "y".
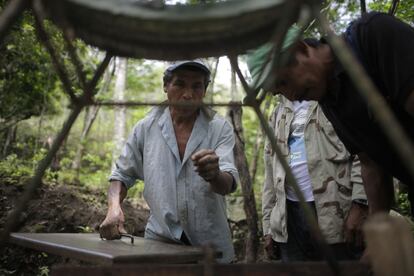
{"x": 306, "y": 79}
{"x": 188, "y": 87}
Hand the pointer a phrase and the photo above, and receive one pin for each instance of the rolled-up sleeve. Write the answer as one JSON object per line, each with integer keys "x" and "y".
{"x": 129, "y": 165}
{"x": 358, "y": 191}
{"x": 224, "y": 151}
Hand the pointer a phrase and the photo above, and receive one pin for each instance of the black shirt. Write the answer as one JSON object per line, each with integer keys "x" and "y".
{"x": 385, "y": 47}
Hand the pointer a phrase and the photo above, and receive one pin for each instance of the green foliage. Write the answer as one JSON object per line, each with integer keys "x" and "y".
{"x": 403, "y": 204}
{"x": 405, "y": 9}
{"x": 144, "y": 81}
{"x": 43, "y": 271}
{"x": 12, "y": 171}
{"x": 27, "y": 79}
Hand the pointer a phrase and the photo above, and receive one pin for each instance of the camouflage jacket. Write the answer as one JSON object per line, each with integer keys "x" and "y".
{"x": 336, "y": 178}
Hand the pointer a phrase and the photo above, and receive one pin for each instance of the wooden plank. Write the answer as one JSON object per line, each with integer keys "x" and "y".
{"x": 268, "y": 269}
{"x": 90, "y": 248}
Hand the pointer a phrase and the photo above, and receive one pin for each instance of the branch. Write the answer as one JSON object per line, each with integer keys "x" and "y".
{"x": 394, "y": 6}
{"x": 44, "y": 38}
{"x": 363, "y": 7}
{"x": 88, "y": 91}
{"x": 10, "y": 14}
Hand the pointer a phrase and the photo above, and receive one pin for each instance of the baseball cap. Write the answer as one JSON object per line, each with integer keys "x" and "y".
{"x": 198, "y": 63}
{"x": 264, "y": 59}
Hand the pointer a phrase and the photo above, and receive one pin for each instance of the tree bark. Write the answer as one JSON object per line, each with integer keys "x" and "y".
{"x": 91, "y": 113}
{"x": 10, "y": 138}
{"x": 258, "y": 146}
{"x": 252, "y": 241}
{"x": 120, "y": 111}
{"x": 210, "y": 90}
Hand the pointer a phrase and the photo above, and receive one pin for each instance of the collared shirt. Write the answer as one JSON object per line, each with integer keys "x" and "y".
{"x": 179, "y": 199}
{"x": 336, "y": 179}
{"x": 384, "y": 46}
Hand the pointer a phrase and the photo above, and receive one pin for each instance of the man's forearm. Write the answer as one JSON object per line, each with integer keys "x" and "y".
{"x": 116, "y": 194}
{"x": 378, "y": 185}
{"x": 222, "y": 183}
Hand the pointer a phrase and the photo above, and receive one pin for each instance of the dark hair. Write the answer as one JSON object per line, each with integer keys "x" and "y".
{"x": 313, "y": 42}
{"x": 168, "y": 75}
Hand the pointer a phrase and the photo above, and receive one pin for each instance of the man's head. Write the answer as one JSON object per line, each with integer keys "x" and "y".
{"x": 195, "y": 65}
{"x": 304, "y": 76}
{"x": 186, "y": 81}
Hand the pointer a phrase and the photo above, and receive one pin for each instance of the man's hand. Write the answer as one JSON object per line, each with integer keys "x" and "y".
{"x": 378, "y": 185}
{"x": 113, "y": 225}
{"x": 353, "y": 224}
{"x": 206, "y": 162}
{"x": 270, "y": 247}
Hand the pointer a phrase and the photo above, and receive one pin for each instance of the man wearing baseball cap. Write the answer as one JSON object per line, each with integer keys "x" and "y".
{"x": 184, "y": 155}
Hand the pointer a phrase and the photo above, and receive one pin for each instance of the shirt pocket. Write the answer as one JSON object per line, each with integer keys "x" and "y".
{"x": 332, "y": 148}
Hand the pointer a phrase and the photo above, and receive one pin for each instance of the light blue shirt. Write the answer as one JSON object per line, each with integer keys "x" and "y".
{"x": 179, "y": 199}
{"x": 298, "y": 159}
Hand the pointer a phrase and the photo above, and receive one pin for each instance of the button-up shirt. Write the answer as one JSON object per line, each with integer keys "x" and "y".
{"x": 179, "y": 199}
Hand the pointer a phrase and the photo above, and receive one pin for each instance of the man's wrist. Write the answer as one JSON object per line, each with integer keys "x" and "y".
{"x": 360, "y": 202}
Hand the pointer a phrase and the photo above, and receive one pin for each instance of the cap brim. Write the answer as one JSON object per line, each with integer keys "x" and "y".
{"x": 190, "y": 64}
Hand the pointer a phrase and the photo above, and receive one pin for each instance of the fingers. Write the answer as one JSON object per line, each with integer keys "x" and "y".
{"x": 204, "y": 156}
{"x": 201, "y": 153}
{"x": 270, "y": 247}
{"x": 206, "y": 164}
{"x": 349, "y": 235}
{"x": 359, "y": 238}
{"x": 113, "y": 225}
{"x": 109, "y": 231}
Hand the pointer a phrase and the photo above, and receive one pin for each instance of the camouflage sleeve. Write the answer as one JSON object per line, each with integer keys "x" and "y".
{"x": 358, "y": 191}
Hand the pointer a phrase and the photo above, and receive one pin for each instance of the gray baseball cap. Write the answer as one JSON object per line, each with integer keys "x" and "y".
{"x": 198, "y": 63}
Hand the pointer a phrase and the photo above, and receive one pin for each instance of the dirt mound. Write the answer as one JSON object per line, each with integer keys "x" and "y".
{"x": 58, "y": 209}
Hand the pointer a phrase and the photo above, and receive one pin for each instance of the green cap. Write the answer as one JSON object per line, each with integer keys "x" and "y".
{"x": 257, "y": 58}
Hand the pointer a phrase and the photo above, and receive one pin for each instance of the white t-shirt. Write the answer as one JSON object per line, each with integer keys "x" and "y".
{"x": 297, "y": 158}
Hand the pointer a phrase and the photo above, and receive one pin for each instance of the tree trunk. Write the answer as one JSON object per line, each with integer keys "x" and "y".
{"x": 9, "y": 139}
{"x": 233, "y": 88}
{"x": 252, "y": 241}
{"x": 90, "y": 115}
{"x": 120, "y": 111}
{"x": 258, "y": 146}
{"x": 210, "y": 94}
{"x": 256, "y": 153}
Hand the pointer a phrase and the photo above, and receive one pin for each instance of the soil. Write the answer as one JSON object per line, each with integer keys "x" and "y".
{"x": 58, "y": 208}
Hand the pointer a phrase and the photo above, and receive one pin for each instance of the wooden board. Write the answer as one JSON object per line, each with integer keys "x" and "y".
{"x": 268, "y": 269}
{"x": 90, "y": 248}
